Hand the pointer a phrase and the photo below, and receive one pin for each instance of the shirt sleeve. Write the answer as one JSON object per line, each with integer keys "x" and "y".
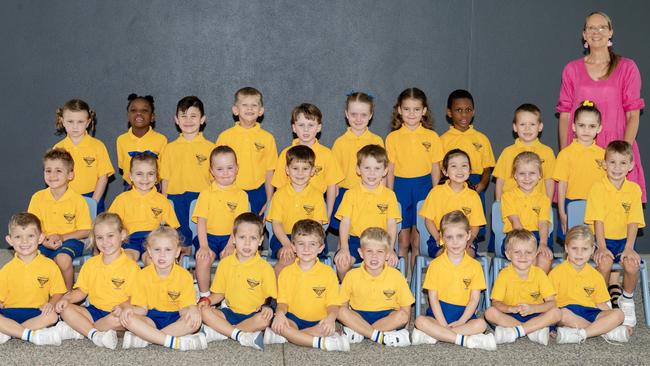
{"x": 393, "y": 210}
{"x": 280, "y": 175}
{"x": 83, "y": 221}
{"x": 437, "y": 153}
{"x": 500, "y": 168}
{"x": 477, "y": 217}
{"x": 636, "y": 209}
{"x": 269, "y": 282}
{"x": 632, "y": 100}
{"x": 561, "y": 171}
{"x": 567, "y": 90}
{"x": 105, "y": 166}
{"x": 345, "y": 208}
{"x": 600, "y": 294}
{"x": 431, "y": 278}
{"x": 333, "y": 173}
{"x": 499, "y": 289}
{"x": 428, "y": 210}
{"x": 283, "y": 291}
{"x": 188, "y": 294}
{"x": 58, "y": 286}
{"x": 82, "y": 281}
{"x": 170, "y": 216}
{"x": 545, "y": 209}
{"x": 333, "y": 289}
{"x": 546, "y": 288}
{"x": 487, "y": 155}
{"x": 275, "y": 211}
{"x": 478, "y": 283}
{"x": 139, "y": 295}
{"x": 219, "y": 282}
{"x": 271, "y": 154}
{"x": 346, "y": 289}
{"x": 405, "y": 297}
{"x": 4, "y": 282}
{"x": 595, "y": 210}
{"x": 508, "y": 207}
{"x": 201, "y": 207}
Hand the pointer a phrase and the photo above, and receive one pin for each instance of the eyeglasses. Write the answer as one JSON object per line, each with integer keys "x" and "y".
{"x": 597, "y": 29}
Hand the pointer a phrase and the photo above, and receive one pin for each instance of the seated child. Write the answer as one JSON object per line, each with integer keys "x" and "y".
{"x": 215, "y": 211}
{"x": 308, "y": 296}
{"x": 246, "y": 282}
{"x": 582, "y": 294}
{"x": 523, "y": 298}
{"x": 107, "y": 280}
{"x": 162, "y": 307}
{"x": 30, "y": 285}
{"x": 142, "y": 209}
{"x": 63, "y": 213}
{"x": 454, "y": 281}
{"x": 295, "y": 201}
{"x": 376, "y": 298}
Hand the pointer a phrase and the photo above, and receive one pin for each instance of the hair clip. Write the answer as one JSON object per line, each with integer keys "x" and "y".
{"x": 146, "y": 152}
{"x": 587, "y": 103}
{"x": 351, "y": 93}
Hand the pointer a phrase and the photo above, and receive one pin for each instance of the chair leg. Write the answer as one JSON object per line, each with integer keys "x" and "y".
{"x": 645, "y": 287}
{"x": 418, "y": 286}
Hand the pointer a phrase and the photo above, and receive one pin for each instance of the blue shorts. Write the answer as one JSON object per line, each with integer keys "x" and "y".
{"x": 257, "y": 199}
{"x": 334, "y": 222}
{"x": 216, "y": 243}
{"x": 475, "y": 179}
{"x": 409, "y": 191}
{"x": 616, "y": 246}
{"x": 72, "y": 247}
{"x": 20, "y": 315}
{"x": 235, "y": 318}
{"x": 373, "y": 316}
{"x": 354, "y": 243}
{"x": 549, "y": 243}
{"x": 163, "y": 318}
{"x": 301, "y": 324}
{"x": 182, "y": 204}
{"x": 522, "y": 319}
{"x": 136, "y": 241}
{"x": 433, "y": 248}
{"x": 101, "y": 205}
{"x": 95, "y": 313}
{"x": 450, "y": 311}
{"x": 588, "y": 313}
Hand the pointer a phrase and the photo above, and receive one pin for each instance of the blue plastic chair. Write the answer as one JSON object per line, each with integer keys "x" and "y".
{"x": 92, "y": 208}
{"x": 189, "y": 262}
{"x": 576, "y": 216}
{"x": 422, "y": 261}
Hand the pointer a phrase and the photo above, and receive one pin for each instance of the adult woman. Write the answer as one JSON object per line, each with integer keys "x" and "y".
{"x": 612, "y": 82}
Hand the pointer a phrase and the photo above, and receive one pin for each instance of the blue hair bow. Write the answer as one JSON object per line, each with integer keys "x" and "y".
{"x": 148, "y": 152}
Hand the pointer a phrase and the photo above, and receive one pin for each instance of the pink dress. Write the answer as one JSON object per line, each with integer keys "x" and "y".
{"x": 620, "y": 93}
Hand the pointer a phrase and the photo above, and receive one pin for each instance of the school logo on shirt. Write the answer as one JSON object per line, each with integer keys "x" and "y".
{"x": 69, "y": 217}
{"x": 252, "y": 283}
{"x": 477, "y": 146}
{"x": 309, "y": 210}
{"x": 467, "y": 282}
{"x": 318, "y": 290}
{"x": 589, "y": 290}
{"x": 117, "y": 282}
{"x": 317, "y": 169}
{"x": 156, "y": 211}
{"x": 173, "y": 295}
{"x": 232, "y": 206}
{"x": 427, "y": 145}
{"x": 600, "y": 163}
{"x": 626, "y": 206}
{"x": 200, "y": 158}
{"x": 258, "y": 146}
{"x": 466, "y": 210}
{"x": 537, "y": 210}
{"x": 382, "y": 208}
{"x": 89, "y": 161}
{"x": 535, "y": 295}
{"x": 42, "y": 280}
{"x": 389, "y": 293}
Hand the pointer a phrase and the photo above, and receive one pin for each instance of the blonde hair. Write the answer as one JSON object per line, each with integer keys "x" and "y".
{"x": 108, "y": 218}
{"x": 164, "y": 232}
{"x": 526, "y": 157}
{"x": 376, "y": 235}
{"x": 580, "y": 232}
{"x": 519, "y": 236}
{"x": 455, "y": 217}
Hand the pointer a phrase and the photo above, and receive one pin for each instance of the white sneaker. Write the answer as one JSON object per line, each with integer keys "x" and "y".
{"x": 627, "y": 306}
{"x": 192, "y": 342}
{"x": 505, "y": 335}
{"x": 397, "y": 338}
{"x": 618, "y": 334}
{"x": 352, "y": 335}
{"x": 570, "y": 335}
{"x": 132, "y": 341}
{"x": 482, "y": 341}
{"x": 540, "y": 336}
{"x": 255, "y": 340}
{"x": 46, "y": 337}
{"x": 106, "y": 339}
{"x": 66, "y": 332}
{"x": 337, "y": 342}
{"x": 419, "y": 337}
{"x": 4, "y": 338}
{"x": 211, "y": 334}
{"x": 270, "y": 337}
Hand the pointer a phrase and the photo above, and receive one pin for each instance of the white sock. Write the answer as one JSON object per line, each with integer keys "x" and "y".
{"x": 171, "y": 342}
{"x": 377, "y": 336}
{"x": 204, "y": 294}
{"x": 318, "y": 342}
{"x": 520, "y": 331}
{"x": 628, "y": 295}
{"x": 461, "y": 340}
{"x": 28, "y": 334}
{"x": 235, "y": 334}
{"x": 91, "y": 333}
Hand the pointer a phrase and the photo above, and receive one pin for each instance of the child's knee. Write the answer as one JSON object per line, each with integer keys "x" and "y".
{"x": 402, "y": 317}
{"x": 420, "y": 321}
{"x": 556, "y": 315}
{"x": 491, "y": 313}
{"x": 64, "y": 261}
{"x": 188, "y": 325}
{"x": 51, "y": 318}
{"x": 630, "y": 267}
{"x": 481, "y": 325}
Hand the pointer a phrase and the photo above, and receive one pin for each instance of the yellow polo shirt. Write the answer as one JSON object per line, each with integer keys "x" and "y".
{"x": 472, "y": 142}
{"x": 345, "y": 150}
{"x": 442, "y": 200}
{"x": 186, "y": 164}
{"x": 91, "y": 161}
{"x": 308, "y": 294}
{"x": 615, "y": 208}
{"x": 585, "y": 288}
{"x": 144, "y": 212}
{"x": 531, "y": 208}
{"x": 454, "y": 283}
{"x": 503, "y": 168}
{"x": 580, "y": 166}
{"x": 67, "y": 214}
{"x": 29, "y": 285}
{"x": 172, "y": 293}
{"x": 289, "y": 206}
{"x": 220, "y": 206}
{"x": 513, "y": 290}
{"x": 413, "y": 152}
{"x": 367, "y": 208}
{"x": 129, "y": 143}
{"x": 326, "y": 169}
{"x": 388, "y": 291}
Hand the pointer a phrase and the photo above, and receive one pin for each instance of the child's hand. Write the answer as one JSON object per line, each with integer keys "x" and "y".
{"x": 117, "y": 311}
{"x": 204, "y": 253}
{"x": 228, "y": 250}
{"x": 457, "y": 323}
{"x": 392, "y": 259}
{"x": 602, "y": 254}
{"x": 480, "y": 187}
{"x": 563, "y": 221}
{"x": 266, "y": 313}
{"x": 125, "y": 317}
{"x": 287, "y": 254}
{"x": 50, "y": 243}
{"x": 61, "y": 305}
{"x": 280, "y": 323}
{"x": 524, "y": 309}
{"x": 327, "y": 326}
{"x": 545, "y": 251}
{"x": 630, "y": 256}
{"x": 343, "y": 258}
{"x": 46, "y": 308}
{"x": 57, "y": 239}
{"x": 192, "y": 315}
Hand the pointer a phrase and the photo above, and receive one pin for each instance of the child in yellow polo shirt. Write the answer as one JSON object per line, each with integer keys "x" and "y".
{"x": 359, "y": 107}
{"x": 454, "y": 281}
{"x": 30, "y": 285}
{"x": 527, "y": 207}
{"x": 162, "y": 307}
{"x": 247, "y": 283}
{"x": 295, "y": 201}
{"x": 62, "y": 211}
{"x": 523, "y": 298}
{"x": 76, "y": 120}
{"x": 370, "y": 204}
{"x": 615, "y": 212}
{"x": 376, "y": 298}
{"x": 308, "y": 296}
{"x": 215, "y": 212}
{"x": 142, "y": 209}
{"x": 582, "y": 294}
{"x": 255, "y": 148}
{"x": 184, "y": 165}
{"x": 306, "y": 123}
{"x": 107, "y": 280}
{"x": 140, "y": 137}
{"x": 453, "y": 195}
{"x": 527, "y": 124}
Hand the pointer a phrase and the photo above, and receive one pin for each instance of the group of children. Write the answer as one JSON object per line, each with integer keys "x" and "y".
{"x": 361, "y": 189}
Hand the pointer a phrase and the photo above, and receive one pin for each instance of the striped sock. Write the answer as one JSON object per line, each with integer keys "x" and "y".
{"x": 171, "y": 342}
{"x": 520, "y": 331}
{"x": 378, "y": 337}
{"x": 235, "y": 334}
{"x": 28, "y": 334}
{"x": 461, "y": 340}
{"x": 91, "y": 333}
{"x": 318, "y": 342}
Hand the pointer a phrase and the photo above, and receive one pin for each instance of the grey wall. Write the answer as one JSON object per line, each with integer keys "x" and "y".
{"x": 504, "y": 52}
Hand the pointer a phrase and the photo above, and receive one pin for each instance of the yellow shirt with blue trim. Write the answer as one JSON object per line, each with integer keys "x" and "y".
{"x": 256, "y": 153}
{"x": 413, "y": 152}
{"x": 289, "y": 206}
{"x": 220, "y": 206}
{"x": 108, "y": 285}
{"x": 144, "y": 212}
{"x": 67, "y": 214}
{"x": 503, "y": 168}
{"x": 474, "y": 143}
{"x": 531, "y": 208}
{"x": 129, "y": 143}
{"x": 513, "y": 290}
{"x": 185, "y": 164}
{"x": 615, "y": 208}
{"x": 327, "y": 171}
{"x": 309, "y": 293}
{"x": 345, "y": 150}
{"x": 442, "y": 200}
{"x": 367, "y": 208}
{"x": 586, "y": 287}
{"x": 91, "y": 161}
{"x": 29, "y": 285}
{"x": 172, "y": 293}
{"x": 454, "y": 283}
{"x": 365, "y": 292}
{"x": 579, "y": 166}
{"x": 245, "y": 285}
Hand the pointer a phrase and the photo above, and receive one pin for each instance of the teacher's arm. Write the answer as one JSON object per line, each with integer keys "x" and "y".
{"x": 563, "y": 128}
{"x": 631, "y": 125}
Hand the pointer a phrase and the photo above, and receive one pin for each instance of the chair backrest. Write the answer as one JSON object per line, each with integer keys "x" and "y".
{"x": 422, "y": 228}
{"x": 92, "y": 207}
{"x": 576, "y": 213}
{"x": 399, "y": 228}
{"x": 497, "y": 228}
{"x": 192, "y": 224}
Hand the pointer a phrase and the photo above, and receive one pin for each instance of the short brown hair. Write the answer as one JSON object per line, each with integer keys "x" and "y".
{"x": 375, "y": 234}
{"x": 24, "y": 219}
{"x": 222, "y": 149}
{"x": 301, "y": 153}
{"x": 308, "y": 227}
{"x": 375, "y": 151}
{"x": 360, "y": 97}
{"x": 144, "y": 157}
{"x": 309, "y": 111}
{"x": 248, "y": 218}
{"x": 620, "y": 147}
{"x": 59, "y": 153}
{"x": 528, "y": 107}
{"x": 518, "y": 236}
{"x": 249, "y": 91}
